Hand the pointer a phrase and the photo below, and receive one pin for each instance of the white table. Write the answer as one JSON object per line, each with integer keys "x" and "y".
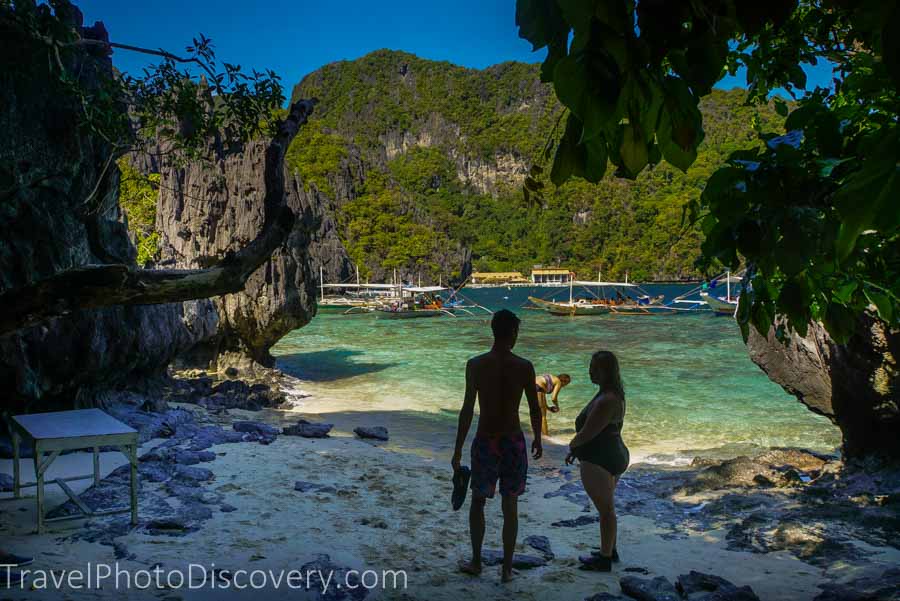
{"x": 53, "y": 433}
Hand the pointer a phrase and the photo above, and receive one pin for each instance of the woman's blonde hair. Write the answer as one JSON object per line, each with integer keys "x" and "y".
{"x": 608, "y": 365}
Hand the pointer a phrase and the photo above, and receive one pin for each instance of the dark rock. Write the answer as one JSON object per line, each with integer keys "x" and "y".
{"x": 738, "y": 472}
{"x": 707, "y": 587}
{"x": 836, "y": 380}
{"x": 232, "y": 387}
{"x": 646, "y": 589}
{"x": 226, "y": 508}
{"x": 521, "y": 561}
{"x": 374, "y": 432}
{"x": 308, "y": 429}
{"x": 193, "y": 474}
{"x": 257, "y": 432}
{"x": 255, "y": 428}
{"x": 581, "y": 520}
{"x": 121, "y": 551}
{"x": 350, "y": 580}
{"x": 542, "y": 544}
{"x": 605, "y": 597}
{"x": 6, "y": 483}
{"x": 881, "y": 588}
{"x": 169, "y": 525}
{"x": 374, "y": 523}
{"x": 302, "y": 486}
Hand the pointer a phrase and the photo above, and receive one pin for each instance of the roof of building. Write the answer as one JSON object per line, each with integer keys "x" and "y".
{"x": 497, "y": 274}
{"x": 550, "y": 271}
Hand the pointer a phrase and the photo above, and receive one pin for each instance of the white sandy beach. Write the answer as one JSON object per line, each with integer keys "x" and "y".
{"x": 389, "y": 510}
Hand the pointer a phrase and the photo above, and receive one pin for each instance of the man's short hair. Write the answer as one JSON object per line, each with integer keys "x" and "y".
{"x": 504, "y": 324}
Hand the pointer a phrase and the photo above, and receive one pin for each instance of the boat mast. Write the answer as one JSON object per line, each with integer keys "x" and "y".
{"x": 357, "y": 275}
{"x": 321, "y": 283}
{"x": 728, "y": 285}
{"x": 570, "y": 290}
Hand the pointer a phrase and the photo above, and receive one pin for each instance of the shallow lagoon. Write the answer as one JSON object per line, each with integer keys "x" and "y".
{"x": 689, "y": 382}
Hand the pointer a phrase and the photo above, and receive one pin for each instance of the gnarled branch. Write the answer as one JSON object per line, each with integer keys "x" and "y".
{"x": 94, "y": 286}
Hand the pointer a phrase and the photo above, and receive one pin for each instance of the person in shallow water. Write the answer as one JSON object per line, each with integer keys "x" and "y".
{"x": 552, "y": 385}
{"x": 498, "y": 378}
{"x": 601, "y": 453}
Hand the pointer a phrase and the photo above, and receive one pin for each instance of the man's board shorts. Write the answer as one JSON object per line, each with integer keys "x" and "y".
{"x": 499, "y": 456}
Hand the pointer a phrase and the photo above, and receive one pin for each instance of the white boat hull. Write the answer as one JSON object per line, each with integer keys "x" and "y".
{"x": 720, "y": 306}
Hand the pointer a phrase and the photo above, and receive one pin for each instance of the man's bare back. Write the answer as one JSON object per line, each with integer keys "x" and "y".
{"x": 499, "y": 380}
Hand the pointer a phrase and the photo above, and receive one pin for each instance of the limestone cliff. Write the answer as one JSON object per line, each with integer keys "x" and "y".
{"x": 60, "y": 210}
{"x": 203, "y": 212}
{"x": 62, "y": 214}
{"x": 855, "y": 385}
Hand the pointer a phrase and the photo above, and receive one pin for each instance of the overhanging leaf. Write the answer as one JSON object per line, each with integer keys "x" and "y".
{"x": 633, "y": 149}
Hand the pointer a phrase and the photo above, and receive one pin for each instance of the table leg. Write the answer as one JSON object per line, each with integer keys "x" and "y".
{"x": 39, "y": 478}
{"x": 96, "y": 466}
{"x": 17, "y": 478}
{"x": 132, "y": 458}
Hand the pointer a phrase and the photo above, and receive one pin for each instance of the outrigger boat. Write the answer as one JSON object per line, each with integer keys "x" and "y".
{"x": 635, "y": 301}
{"x": 353, "y": 296}
{"x": 424, "y": 301}
{"x": 722, "y": 305}
{"x": 640, "y": 303}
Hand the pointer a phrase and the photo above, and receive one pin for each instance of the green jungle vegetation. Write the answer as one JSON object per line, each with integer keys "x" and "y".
{"x": 137, "y": 198}
{"x": 411, "y": 208}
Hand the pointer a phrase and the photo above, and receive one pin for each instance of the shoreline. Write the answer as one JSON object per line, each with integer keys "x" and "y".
{"x": 386, "y": 506}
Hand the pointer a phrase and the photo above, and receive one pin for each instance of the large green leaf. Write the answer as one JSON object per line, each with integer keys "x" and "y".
{"x": 680, "y": 128}
{"x": 633, "y": 149}
{"x": 539, "y": 21}
{"x": 570, "y": 156}
{"x": 596, "y": 159}
{"x": 868, "y": 200}
{"x": 578, "y": 13}
{"x": 882, "y": 303}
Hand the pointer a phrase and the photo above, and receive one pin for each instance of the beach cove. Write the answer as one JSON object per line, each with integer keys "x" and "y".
{"x": 229, "y": 489}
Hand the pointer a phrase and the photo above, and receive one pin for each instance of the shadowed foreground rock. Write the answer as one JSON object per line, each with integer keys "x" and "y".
{"x": 855, "y": 385}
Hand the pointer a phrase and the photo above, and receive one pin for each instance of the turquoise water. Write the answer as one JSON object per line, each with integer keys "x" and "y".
{"x": 689, "y": 382}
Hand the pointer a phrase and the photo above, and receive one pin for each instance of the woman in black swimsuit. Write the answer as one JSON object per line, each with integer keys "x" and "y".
{"x": 602, "y": 455}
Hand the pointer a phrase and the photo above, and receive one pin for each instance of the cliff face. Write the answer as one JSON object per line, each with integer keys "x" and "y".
{"x": 857, "y": 385}
{"x": 443, "y": 150}
{"x": 60, "y": 210}
{"x": 205, "y": 211}
{"x": 63, "y": 213}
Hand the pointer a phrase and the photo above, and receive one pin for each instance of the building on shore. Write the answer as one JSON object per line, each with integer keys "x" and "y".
{"x": 498, "y": 277}
{"x": 551, "y": 275}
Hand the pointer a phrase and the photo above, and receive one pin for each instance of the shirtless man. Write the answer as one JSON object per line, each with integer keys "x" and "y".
{"x": 498, "y": 378}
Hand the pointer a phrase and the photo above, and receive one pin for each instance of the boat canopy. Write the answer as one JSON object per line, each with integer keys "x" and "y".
{"x": 420, "y": 289}
{"x": 372, "y": 286}
{"x": 607, "y": 284}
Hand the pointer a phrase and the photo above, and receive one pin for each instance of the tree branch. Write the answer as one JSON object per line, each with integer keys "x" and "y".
{"x": 95, "y": 286}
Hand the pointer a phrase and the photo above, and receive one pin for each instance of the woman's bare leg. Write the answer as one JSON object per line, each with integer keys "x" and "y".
{"x": 600, "y": 486}
{"x": 542, "y": 400}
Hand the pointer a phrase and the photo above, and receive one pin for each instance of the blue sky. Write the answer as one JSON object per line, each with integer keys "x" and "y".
{"x": 295, "y": 37}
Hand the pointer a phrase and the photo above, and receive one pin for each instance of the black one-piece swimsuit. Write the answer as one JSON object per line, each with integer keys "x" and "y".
{"x": 606, "y": 449}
